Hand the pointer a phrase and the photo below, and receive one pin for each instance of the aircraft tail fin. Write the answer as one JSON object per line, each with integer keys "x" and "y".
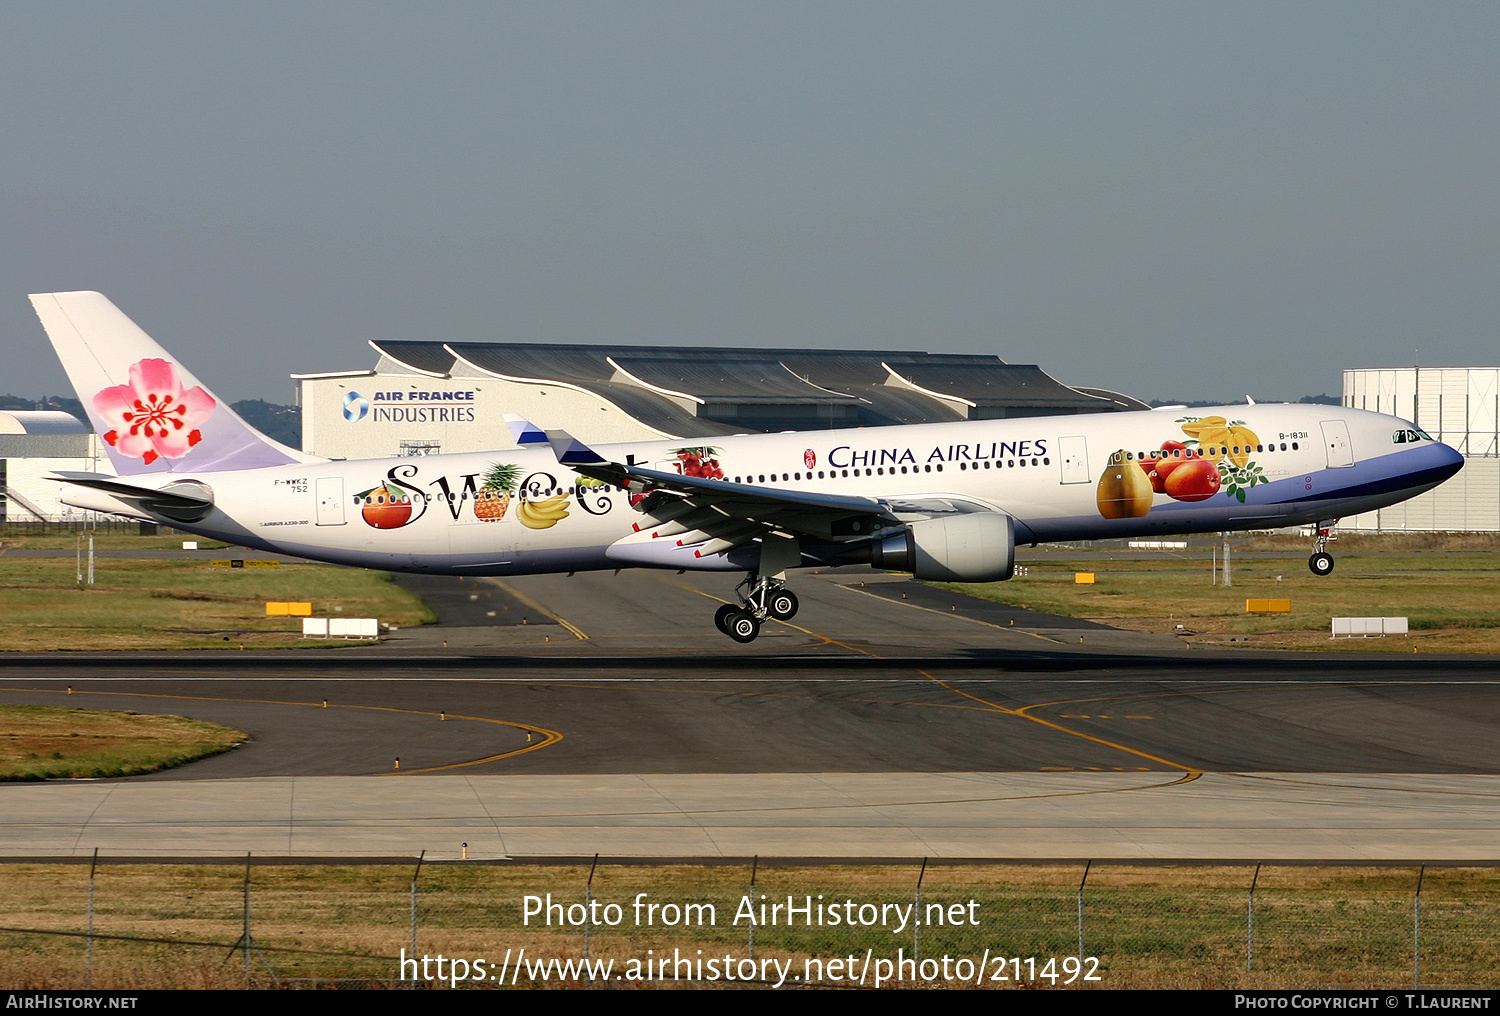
{"x": 151, "y": 413}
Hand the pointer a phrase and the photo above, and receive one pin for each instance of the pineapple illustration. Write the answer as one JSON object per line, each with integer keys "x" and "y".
{"x": 493, "y": 499}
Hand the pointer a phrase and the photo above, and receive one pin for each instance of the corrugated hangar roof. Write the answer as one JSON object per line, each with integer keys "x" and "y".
{"x": 728, "y": 380}
{"x": 697, "y": 391}
{"x": 988, "y": 382}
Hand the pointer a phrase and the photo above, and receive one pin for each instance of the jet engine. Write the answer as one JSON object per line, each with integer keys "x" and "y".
{"x": 973, "y": 547}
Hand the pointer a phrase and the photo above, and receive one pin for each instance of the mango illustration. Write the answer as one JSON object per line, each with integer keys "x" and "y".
{"x": 1124, "y": 489}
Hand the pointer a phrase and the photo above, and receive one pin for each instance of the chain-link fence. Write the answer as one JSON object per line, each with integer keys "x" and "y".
{"x": 140, "y": 925}
{"x": 11, "y": 528}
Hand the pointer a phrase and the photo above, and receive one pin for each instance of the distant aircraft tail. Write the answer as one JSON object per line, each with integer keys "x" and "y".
{"x": 151, "y": 413}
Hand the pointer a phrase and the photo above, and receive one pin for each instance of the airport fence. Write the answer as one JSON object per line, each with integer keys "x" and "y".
{"x": 104, "y": 526}
{"x": 262, "y": 923}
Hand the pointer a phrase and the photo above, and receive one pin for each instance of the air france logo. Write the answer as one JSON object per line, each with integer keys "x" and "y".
{"x": 355, "y": 406}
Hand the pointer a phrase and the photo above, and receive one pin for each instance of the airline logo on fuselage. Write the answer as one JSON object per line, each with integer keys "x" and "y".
{"x": 846, "y": 456}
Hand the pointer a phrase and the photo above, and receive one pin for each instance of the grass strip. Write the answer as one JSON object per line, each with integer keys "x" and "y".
{"x": 1148, "y": 925}
{"x": 53, "y": 742}
{"x": 182, "y": 604}
{"x": 1445, "y": 589}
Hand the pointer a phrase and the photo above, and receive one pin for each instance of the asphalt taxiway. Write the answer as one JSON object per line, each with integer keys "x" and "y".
{"x": 603, "y": 713}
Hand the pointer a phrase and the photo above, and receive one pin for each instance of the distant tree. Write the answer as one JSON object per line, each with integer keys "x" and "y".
{"x": 64, "y": 404}
{"x": 1322, "y": 400}
{"x": 53, "y": 403}
{"x": 279, "y": 423}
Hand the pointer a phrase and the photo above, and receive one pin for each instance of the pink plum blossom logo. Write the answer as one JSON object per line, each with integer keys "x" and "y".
{"x": 153, "y": 417}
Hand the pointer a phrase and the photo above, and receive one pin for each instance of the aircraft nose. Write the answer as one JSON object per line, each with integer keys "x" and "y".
{"x": 1449, "y": 459}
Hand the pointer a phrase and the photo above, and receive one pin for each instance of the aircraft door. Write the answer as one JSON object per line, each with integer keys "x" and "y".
{"x": 1073, "y": 453}
{"x": 330, "y": 494}
{"x": 1336, "y": 443}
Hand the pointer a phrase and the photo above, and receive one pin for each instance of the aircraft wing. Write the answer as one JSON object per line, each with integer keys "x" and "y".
{"x": 716, "y": 515}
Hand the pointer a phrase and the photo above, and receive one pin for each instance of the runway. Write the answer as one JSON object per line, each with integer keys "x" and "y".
{"x": 872, "y": 726}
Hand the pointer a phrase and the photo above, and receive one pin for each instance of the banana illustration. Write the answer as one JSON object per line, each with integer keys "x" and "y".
{"x": 543, "y": 514}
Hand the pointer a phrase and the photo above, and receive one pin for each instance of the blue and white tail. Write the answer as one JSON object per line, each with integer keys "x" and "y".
{"x": 151, "y": 413}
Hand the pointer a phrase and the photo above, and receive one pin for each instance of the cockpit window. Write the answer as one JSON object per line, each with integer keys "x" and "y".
{"x": 1409, "y": 436}
{"x": 1399, "y": 437}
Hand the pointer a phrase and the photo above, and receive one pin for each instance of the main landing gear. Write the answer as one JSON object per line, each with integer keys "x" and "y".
{"x": 1321, "y": 562}
{"x": 760, "y": 598}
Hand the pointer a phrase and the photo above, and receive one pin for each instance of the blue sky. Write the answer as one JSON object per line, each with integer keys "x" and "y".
{"x": 1184, "y": 200}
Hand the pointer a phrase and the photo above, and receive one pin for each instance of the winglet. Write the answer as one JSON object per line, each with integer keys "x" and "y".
{"x": 572, "y": 452}
{"x": 524, "y": 432}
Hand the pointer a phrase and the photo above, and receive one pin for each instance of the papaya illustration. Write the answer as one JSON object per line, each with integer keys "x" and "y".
{"x": 1124, "y": 489}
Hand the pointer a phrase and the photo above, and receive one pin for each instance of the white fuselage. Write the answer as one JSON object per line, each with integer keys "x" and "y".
{"x": 1277, "y": 465}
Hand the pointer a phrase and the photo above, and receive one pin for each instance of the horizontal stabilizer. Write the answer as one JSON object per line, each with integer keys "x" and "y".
{"x": 182, "y": 501}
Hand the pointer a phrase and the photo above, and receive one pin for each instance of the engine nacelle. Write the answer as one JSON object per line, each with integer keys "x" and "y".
{"x": 974, "y": 547}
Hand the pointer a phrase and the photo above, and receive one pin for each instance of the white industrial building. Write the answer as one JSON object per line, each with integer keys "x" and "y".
{"x": 33, "y": 444}
{"x": 425, "y": 398}
{"x": 1459, "y": 406}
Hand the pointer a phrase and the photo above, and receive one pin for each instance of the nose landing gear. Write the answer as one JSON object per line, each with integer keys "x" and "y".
{"x": 1321, "y": 562}
{"x": 760, "y": 598}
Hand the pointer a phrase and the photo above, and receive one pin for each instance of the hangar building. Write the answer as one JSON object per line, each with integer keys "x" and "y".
{"x": 1459, "y": 406}
{"x": 423, "y": 398}
{"x": 33, "y": 444}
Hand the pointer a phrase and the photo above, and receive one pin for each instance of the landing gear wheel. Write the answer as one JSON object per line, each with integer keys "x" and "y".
{"x": 743, "y": 626}
{"x": 721, "y": 617}
{"x": 782, "y": 605}
{"x": 1320, "y": 563}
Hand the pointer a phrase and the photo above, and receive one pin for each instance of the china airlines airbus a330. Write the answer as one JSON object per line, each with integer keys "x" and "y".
{"x": 945, "y": 501}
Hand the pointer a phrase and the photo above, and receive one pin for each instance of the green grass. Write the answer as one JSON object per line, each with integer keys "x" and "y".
{"x": 1448, "y": 595}
{"x": 177, "y": 604}
{"x": 1149, "y": 926}
{"x": 50, "y": 742}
